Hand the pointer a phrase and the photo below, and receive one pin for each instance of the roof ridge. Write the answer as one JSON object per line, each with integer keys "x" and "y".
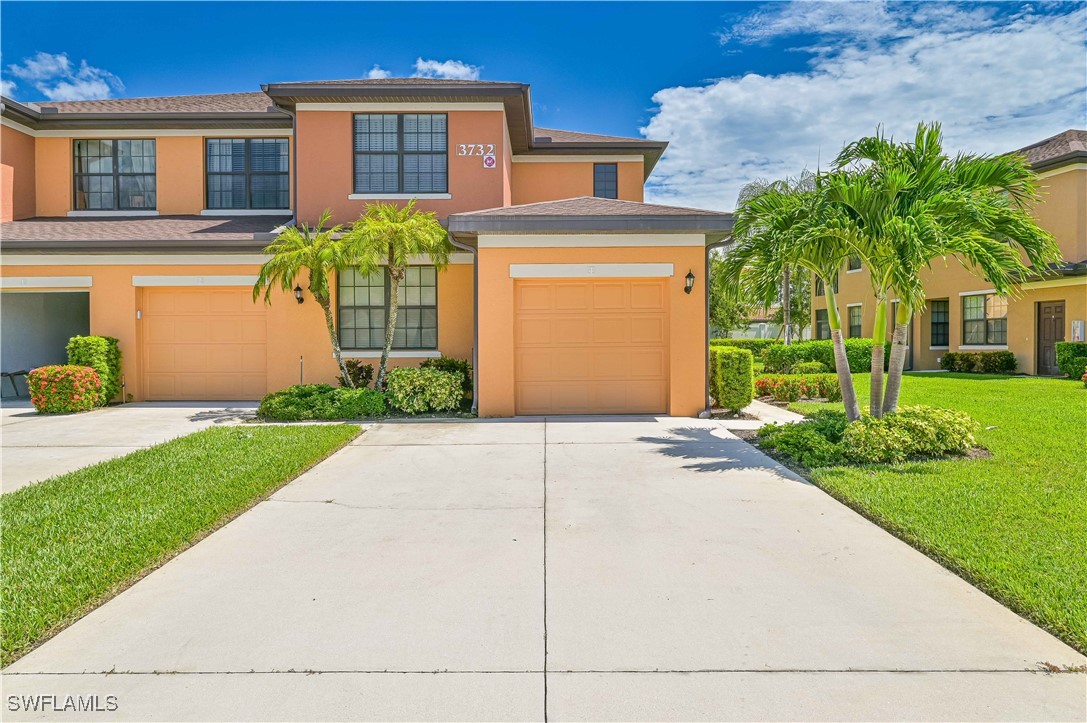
{"x": 51, "y": 103}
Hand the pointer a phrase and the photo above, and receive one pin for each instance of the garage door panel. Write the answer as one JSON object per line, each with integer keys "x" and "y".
{"x": 204, "y": 344}
{"x": 601, "y": 347}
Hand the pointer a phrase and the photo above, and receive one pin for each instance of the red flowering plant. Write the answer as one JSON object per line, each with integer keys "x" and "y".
{"x": 64, "y": 388}
{"x": 793, "y": 387}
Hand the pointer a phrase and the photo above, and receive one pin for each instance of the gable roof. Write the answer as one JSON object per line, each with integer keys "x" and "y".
{"x": 1059, "y": 150}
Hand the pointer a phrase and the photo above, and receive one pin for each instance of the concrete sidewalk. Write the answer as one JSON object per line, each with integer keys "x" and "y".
{"x": 567, "y": 569}
{"x": 37, "y": 446}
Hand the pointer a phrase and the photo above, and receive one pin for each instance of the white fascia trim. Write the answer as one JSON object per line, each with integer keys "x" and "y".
{"x": 45, "y": 282}
{"x": 110, "y": 214}
{"x": 376, "y": 354}
{"x": 1063, "y": 169}
{"x": 398, "y": 196}
{"x": 245, "y": 280}
{"x": 152, "y": 133}
{"x": 983, "y": 347}
{"x": 939, "y": 348}
{"x": 590, "y": 271}
{"x": 247, "y": 212}
{"x": 19, "y": 127}
{"x": 578, "y": 159}
{"x": 133, "y": 259}
{"x": 977, "y": 293}
{"x": 588, "y": 240}
{"x": 401, "y": 106}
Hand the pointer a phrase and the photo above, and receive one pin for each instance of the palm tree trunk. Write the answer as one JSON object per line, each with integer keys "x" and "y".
{"x": 841, "y": 361}
{"x": 898, "y": 359}
{"x": 787, "y": 318}
{"x": 395, "y": 274}
{"x": 326, "y": 306}
{"x": 879, "y": 333}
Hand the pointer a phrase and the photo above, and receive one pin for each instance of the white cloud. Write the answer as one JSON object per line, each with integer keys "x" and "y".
{"x": 453, "y": 69}
{"x": 996, "y": 82}
{"x": 53, "y": 75}
{"x": 377, "y": 72}
{"x": 7, "y": 88}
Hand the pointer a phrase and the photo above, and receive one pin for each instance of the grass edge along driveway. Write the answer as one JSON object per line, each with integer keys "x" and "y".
{"x": 1013, "y": 524}
{"x": 72, "y": 542}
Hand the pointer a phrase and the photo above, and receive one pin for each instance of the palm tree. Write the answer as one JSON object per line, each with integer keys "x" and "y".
{"x": 908, "y": 204}
{"x": 390, "y": 236}
{"x": 786, "y": 227}
{"x": 315, "y": 251}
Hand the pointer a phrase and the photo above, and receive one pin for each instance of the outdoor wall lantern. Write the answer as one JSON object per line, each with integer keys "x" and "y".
{"x": 298, "y": 294}
{"x": 690, "y": 282}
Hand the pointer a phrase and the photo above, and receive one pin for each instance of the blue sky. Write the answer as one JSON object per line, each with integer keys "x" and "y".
{"x": 741, "y": 90}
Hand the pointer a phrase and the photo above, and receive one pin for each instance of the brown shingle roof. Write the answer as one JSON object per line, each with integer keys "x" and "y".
{"x": 256, "y": 102}
{"x": 544, "y": 136}
{"x": 1063, "y": 147}
{"x": 591, "y": 206}
{"x": 139, "y": 233}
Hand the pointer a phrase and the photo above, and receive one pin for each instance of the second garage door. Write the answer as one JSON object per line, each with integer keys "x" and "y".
{"x": 586, "y": 346}
{"x": 204, "y": 343}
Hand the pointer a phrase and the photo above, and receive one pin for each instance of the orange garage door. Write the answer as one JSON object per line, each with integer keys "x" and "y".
{"x": 586, "y": 346}
{"x": 205, "y": 343}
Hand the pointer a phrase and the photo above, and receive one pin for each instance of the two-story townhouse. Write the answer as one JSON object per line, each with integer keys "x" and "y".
{"x": 145, "y": 219}
{"x": 961, "y": 311}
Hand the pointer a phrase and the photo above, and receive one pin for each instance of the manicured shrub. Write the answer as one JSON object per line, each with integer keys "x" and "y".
{"x": 780, "y": 358}
{"x": 64, "y": 388}
{"x": 979, "y": 362}
{"x": 815, "y": 442}
{"x": 1077, "y": 368}
{"x": 103, "y": 354}
{"x": 919, "y": 431}
{"x": 360, "y": 374}
{"x": 321, "y": 401}
{"x": 731, "y": 384}
{"x": 1067, "y": 353}
{"x": 416, "y": 390}
{"x": 813, "y": 367}
{"x": 793, "y": 387}
{"x": 755, "y": 346}
{"x": 452, "y": 364}
{"x": 1084, "y": 379}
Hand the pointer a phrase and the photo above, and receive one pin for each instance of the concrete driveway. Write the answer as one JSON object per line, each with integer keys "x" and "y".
{"x": 579, "y": 569}
{"x": 40, "y": 446}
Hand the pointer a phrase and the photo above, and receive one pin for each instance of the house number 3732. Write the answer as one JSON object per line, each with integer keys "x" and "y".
{"x": 475, "y": 149}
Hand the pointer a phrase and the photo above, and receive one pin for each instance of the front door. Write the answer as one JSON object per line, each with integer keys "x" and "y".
{"x": 1050, "y": 331}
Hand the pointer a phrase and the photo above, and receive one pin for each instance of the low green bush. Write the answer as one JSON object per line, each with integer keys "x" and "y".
{"x": 780, "y": 358}
{"x": 64, "y": 388}
{"x": 103, "y": 354}
{"x": 731, "y": 377}
{"x": 321, "y": 401}
{"x": 416, "y": 390}
{"x": 794, "y": 387}
{"x": 812, "y": 367}
{"x": 910, "y": 433}
{"x": 452, "y": 364}
{"x": 1077, "y": 368}
{"x": 360, "y": 374}
{"x": 979, "y": 362}
{"x": 1068, "y": 352}
{"x": 755, "y": 346}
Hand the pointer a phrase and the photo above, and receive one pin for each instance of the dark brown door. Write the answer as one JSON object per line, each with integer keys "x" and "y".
{"x": 1050, "y": 331}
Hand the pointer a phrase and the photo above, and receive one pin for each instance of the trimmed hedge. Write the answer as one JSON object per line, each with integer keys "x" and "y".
{"x": 794, "y": 387}
{"x": 321, "y": 401}
{"x": 809, "y": 368}
{"x": 755, "y": 346}
{"x": 64, "y": 388}
{"x": 979, "y": 362}
{"x": 731, "y": 377}
{"x": 1069, "y": 358}
{"x": 416, "y": 390}
{"x": 103, "y": 354}
{"x": 452, "y": 364}
{"x": 780, "y": 358}
{"x": 360, "y": 374}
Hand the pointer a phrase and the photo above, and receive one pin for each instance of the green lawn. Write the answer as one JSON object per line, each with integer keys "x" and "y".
{"x": 1014, "y": 524}
{"x": 72, "y": 542}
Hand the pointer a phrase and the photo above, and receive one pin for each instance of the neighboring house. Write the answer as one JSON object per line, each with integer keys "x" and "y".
{"x": 962, "y": 313}
{"x": 145, "y": 219}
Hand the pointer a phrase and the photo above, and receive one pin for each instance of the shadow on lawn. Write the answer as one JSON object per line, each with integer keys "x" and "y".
{"x": 709, "y": 453}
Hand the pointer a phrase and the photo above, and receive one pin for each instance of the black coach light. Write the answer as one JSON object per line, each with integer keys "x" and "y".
{"x": 298, "y": 294}
{"x": 690, "y": 282}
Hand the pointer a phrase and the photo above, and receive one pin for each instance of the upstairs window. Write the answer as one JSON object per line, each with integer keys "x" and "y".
{"x": 822, "y": 324}
{"x": 248, "y": 173}
{"x": 606, "y": 180}
{"x": 854, "y": 263}
{"x": 401, "y": 153}
{"x": 364, "y": 306}
{"x": 820, "y": 288}
{"x": 855, "y": 316}
{"x": 939, "y": 311}
{"x": 114, "y": 175}
{"x": 984, "y": 319}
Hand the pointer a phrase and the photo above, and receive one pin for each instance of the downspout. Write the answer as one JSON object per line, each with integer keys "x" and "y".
{"x": 710, "y": 248}
{"x": 294, "y": 162}
{"x": 475, "y": 317}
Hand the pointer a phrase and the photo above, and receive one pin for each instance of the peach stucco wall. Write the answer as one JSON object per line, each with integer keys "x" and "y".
{"x": 538, "y": 181}
{"x": 53, "y": 176}
{"x": 326, "y": 165}
{"x": 16, "y": 174}
{"x": 687, "y": 323}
